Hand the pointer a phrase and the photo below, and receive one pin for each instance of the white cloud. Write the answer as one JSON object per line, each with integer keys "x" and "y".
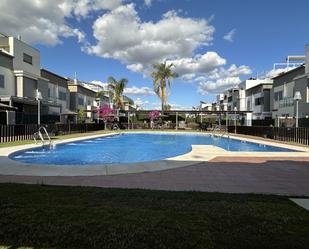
{"x": 148, "y": 2}
{"x": 100, "y": 83}
{"x": 45, "y": 22}
{"x": 275, "y": 72}
{"x": 137, "y": 68}
{"x": 218, "y": 85}
{"x": 221, "y": 79}
{"x": 230, "y": 35}
{"x": 122, "y": 35}
{"x": 146, "y": 91}
{"x": 200, "y": 64}
{"x": 141, "y": 104}
{"x": 188, "y": 77}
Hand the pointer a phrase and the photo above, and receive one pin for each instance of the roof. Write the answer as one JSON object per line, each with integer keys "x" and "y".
{"x": 6, "y": 54}
{"x": 290, "y": 71}
{"x": 57, "y": 75}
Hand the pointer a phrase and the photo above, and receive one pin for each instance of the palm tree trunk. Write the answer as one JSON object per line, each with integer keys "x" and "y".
{"x": 163, "y": 90}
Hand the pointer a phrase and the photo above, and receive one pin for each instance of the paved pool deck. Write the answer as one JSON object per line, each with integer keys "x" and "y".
{"x": 205, "y": 168}
{"x": 249, "y": 175}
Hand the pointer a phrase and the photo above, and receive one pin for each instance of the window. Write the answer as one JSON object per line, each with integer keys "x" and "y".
{"x": 62, "y": 95}
{"x": 1, "y": 81}
{"x": 248, "y": 106}
{"x": 48, "y": 93}
{"x": 27, "y": 58}
{"x": 259, "y": 101}
{"x": 278, "y": 96}
{"x": 80, "y": 101}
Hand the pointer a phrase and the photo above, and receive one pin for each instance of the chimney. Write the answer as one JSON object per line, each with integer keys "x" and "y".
{"x": 75, "y": 78}
{"x": 307, "y": 58}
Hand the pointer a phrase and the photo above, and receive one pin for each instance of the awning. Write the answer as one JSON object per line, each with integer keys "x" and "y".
{"x": 68, "y": 112}
{"x": 7, "y": 107}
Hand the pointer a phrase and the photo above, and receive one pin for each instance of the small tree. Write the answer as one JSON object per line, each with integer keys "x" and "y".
{"x": 81, "y": 116}
{"x": 153, "y": 115}
{"x": 107, "y": 114}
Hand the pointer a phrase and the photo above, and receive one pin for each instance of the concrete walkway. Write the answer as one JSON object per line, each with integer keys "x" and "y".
{"x": 222, "y": 174}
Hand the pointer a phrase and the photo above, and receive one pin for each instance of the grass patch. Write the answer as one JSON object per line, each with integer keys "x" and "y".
{"x": 81, "y": 217}
{"x": 15, "y": 143}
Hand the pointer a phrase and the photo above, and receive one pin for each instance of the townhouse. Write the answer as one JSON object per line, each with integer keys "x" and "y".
{"x": 56, "y": 91}
{"x": 25, "y": 87}
{"x": 283, "y": 96}
{"x": 82, "y": 98}
{"x": 258, "y": 100}
{"x": 271, "y": 100}
{"x": 221, "y": 102}
{"x": 21, "y": 82}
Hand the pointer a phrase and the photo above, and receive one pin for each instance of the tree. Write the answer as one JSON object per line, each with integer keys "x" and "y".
{"x": 81, "y": 116}
{"x": 117, "y": 88}
{"x": 106, "y": 113}
{"x": 153, "y": 115}
{"x": 162, "y": 77}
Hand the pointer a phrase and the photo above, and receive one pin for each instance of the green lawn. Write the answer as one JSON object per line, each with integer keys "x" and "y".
{"x": 78, "y": 217}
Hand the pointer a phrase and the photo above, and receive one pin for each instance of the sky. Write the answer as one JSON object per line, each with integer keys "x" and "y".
{"x": 214, "y": 45}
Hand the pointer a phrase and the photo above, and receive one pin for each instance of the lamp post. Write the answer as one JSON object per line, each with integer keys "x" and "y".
{"x": 235, "y": 123}
{"x": 38, "y": 98}
{"x": 227, "y": 122}
{"x": 297, "y": 97}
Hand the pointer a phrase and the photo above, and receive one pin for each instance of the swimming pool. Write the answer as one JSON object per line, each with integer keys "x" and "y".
{"x": 132, "y": 148}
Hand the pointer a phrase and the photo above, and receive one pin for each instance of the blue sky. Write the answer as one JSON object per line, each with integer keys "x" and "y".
{"x": 214, "y": 44}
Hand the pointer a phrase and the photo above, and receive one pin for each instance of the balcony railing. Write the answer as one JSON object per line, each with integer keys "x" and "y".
{"x": 286, "y": 102}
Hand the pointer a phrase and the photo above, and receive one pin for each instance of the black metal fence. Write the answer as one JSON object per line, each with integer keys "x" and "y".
{"x": 295, "y": 135}
{"x": 10, "y": 133}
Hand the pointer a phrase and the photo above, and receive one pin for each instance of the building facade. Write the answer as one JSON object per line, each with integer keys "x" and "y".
{"x": 283, "y": 103}
{"x": 21, "y": 81}
{"x": 258, "y": 101}
{"x": 82, "y": 99}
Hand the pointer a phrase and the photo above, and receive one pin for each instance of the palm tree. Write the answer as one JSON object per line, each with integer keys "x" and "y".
{"x": 117, "y": 88}
{"x": 162, "y": 77}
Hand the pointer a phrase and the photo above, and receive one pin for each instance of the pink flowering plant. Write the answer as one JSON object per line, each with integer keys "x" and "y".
{"x": 153, "y": 115}
{"x": 106, "y": 113}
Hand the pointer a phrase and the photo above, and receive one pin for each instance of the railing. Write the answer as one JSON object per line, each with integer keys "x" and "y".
{"x": 11, "y": 133}
{"x": 286, "y": 102}
{"x": 295, "y": 135}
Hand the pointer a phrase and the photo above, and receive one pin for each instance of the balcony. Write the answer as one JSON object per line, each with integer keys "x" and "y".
{"x": 286, "y": 102}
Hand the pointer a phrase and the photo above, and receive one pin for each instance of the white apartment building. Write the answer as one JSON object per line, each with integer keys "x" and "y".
{"x": 244, "y": 86}
{"x": 221, "y": 102}
{"x": 258, "y": 100}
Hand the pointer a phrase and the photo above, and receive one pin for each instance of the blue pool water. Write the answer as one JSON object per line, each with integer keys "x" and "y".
{"x": 130, "y": 148}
